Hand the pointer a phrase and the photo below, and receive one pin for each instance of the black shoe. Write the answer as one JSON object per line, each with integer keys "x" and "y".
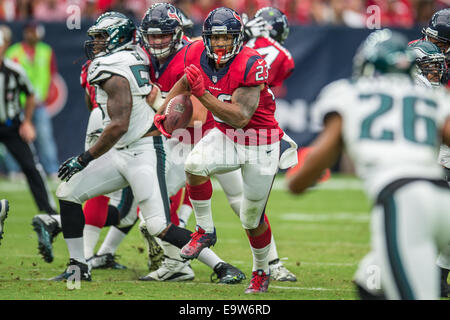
{"x": 74, "y": 269}
{"x": 105, "y": 261}
{"x": 444, "y": 285}
{"x": 4, "y": 208}
{"x": 46, "y": 229}
{"x": 226, "y": 273}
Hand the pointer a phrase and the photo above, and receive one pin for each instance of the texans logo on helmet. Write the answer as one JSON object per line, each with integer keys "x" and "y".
{"x": 174, "y": 16}
{"x": 237, "y": 16}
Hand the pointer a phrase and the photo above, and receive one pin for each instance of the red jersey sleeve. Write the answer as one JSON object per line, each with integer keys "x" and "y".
{"x": 253, "y": 72}
{"x": 84, "y": 73}
{"x": 282, "y": 72}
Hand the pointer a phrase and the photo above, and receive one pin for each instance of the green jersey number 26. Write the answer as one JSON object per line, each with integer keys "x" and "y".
{"x": 411, "y": 119}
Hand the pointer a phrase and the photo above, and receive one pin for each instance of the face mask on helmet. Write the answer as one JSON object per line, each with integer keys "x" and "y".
{"x": 429, "y": 61}
{"x": 222, "y": 35}
{"x": 432, "y": 70}
{"x": 112, "y": 32}
{"x": 162, "y": 30}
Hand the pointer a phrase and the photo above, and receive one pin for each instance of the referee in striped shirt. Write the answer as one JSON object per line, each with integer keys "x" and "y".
{"x": 17, "y": 131}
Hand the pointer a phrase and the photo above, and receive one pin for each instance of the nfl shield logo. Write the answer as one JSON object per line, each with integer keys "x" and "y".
{"x": 214, "y": 79}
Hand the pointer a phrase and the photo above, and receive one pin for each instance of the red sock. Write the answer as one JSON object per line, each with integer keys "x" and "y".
{"x": 95, "y": 211}
{"x": 262, "y": 240}
{"x": 175, "y": 201}
{"x": 201, "y": 192}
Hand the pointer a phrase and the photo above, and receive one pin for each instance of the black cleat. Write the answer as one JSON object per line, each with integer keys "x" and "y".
{"x": 227, "y": 274}
{"x": 75, "y": 271}
{"x": 105, "y": 261}
{"x": 46, "y": 229}
{"x": 4, "y": 208}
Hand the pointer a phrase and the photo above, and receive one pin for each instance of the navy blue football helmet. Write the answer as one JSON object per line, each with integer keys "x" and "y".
{"x": 439, "y": 30}
{"x": 223, "y": 21}
{"x": 162, "y": 19}
{"x": 278, "y": 22}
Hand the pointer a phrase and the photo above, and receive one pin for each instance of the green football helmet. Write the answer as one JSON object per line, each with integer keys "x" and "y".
{"x": 430, "y": 61}
{"x": 383, "y": 51}
{"x": 111, "y": 32}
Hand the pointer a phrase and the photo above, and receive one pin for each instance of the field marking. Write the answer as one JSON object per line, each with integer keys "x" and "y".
{"x": 204, "y": 283}
{"x": 336, "y": 216}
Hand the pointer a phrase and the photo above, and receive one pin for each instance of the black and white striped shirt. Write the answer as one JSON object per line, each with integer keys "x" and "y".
{"x": 13, "y": 81}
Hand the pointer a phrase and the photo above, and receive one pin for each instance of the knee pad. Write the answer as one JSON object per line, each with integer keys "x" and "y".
{"x": 156, "y": 222}
{"x": 195, "y": 165}
{"x": 251, "y": 212}
{"x": 67, "y": 191}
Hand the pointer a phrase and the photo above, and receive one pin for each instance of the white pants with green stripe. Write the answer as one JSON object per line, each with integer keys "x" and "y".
{"x": 141, "y": 165}
{"x": 408, "y": 228}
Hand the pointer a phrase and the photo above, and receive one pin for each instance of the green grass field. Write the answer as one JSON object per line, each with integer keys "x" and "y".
{"x": 320, "y": 236}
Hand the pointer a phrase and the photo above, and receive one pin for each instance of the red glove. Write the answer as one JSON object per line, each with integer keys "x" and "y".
{"x": 158, "y": 119}
{"x": 195, "y": 78}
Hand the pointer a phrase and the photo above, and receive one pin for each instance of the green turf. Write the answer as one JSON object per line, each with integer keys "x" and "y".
{"x": 320, "y": 236}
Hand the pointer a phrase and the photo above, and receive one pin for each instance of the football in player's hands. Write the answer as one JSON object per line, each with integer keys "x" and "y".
{"x": 178, "y": 113}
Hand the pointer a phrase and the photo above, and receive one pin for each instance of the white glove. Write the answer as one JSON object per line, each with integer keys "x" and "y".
{"x": 257, "y": 27}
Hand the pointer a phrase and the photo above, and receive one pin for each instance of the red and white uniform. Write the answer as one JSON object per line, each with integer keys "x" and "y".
{"x": 246, "y": 69}
{"x": 254, "y": 149}
{"x": 280, "y": 62}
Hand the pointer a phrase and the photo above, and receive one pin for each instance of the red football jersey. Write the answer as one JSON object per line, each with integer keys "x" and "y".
{"x": 280, "y": 62}
{"x": 246, "y": 69}
{"x": 85, "y": 84}
{"x": 168, "y": 74}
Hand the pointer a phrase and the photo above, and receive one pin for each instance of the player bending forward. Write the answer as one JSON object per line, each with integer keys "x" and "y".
{"x": 127, "y": 152}
{"x": 390, "y": 127}
{"x": 231, "y": 82}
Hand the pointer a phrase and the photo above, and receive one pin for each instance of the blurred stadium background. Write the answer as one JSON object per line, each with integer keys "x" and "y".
{"x": 324, "y": 35}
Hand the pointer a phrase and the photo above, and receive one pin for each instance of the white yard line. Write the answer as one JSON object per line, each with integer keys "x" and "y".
{"x": 209, "y": 284}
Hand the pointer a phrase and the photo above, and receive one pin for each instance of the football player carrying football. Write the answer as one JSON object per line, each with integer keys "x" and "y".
{"x": 246, "y": 135}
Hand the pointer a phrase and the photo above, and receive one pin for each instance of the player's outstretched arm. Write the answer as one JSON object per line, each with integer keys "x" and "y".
{"x": 119, "y": 110}
{"x": 325, "y": 151}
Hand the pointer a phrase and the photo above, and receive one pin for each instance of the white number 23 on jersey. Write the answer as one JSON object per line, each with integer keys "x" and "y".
{"x": 262, "y": 72}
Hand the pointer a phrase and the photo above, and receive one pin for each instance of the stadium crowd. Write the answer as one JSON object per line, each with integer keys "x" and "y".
{"x": 352, "y": 13}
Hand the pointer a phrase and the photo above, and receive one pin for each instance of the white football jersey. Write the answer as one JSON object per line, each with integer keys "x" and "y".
{"x": 444, "y": 151}
{"x": 390, "y": 126}
{"x": 134, "y": 66}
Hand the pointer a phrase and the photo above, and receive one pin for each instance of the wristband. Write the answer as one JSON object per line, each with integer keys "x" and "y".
{"x": 85, "y": 158}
